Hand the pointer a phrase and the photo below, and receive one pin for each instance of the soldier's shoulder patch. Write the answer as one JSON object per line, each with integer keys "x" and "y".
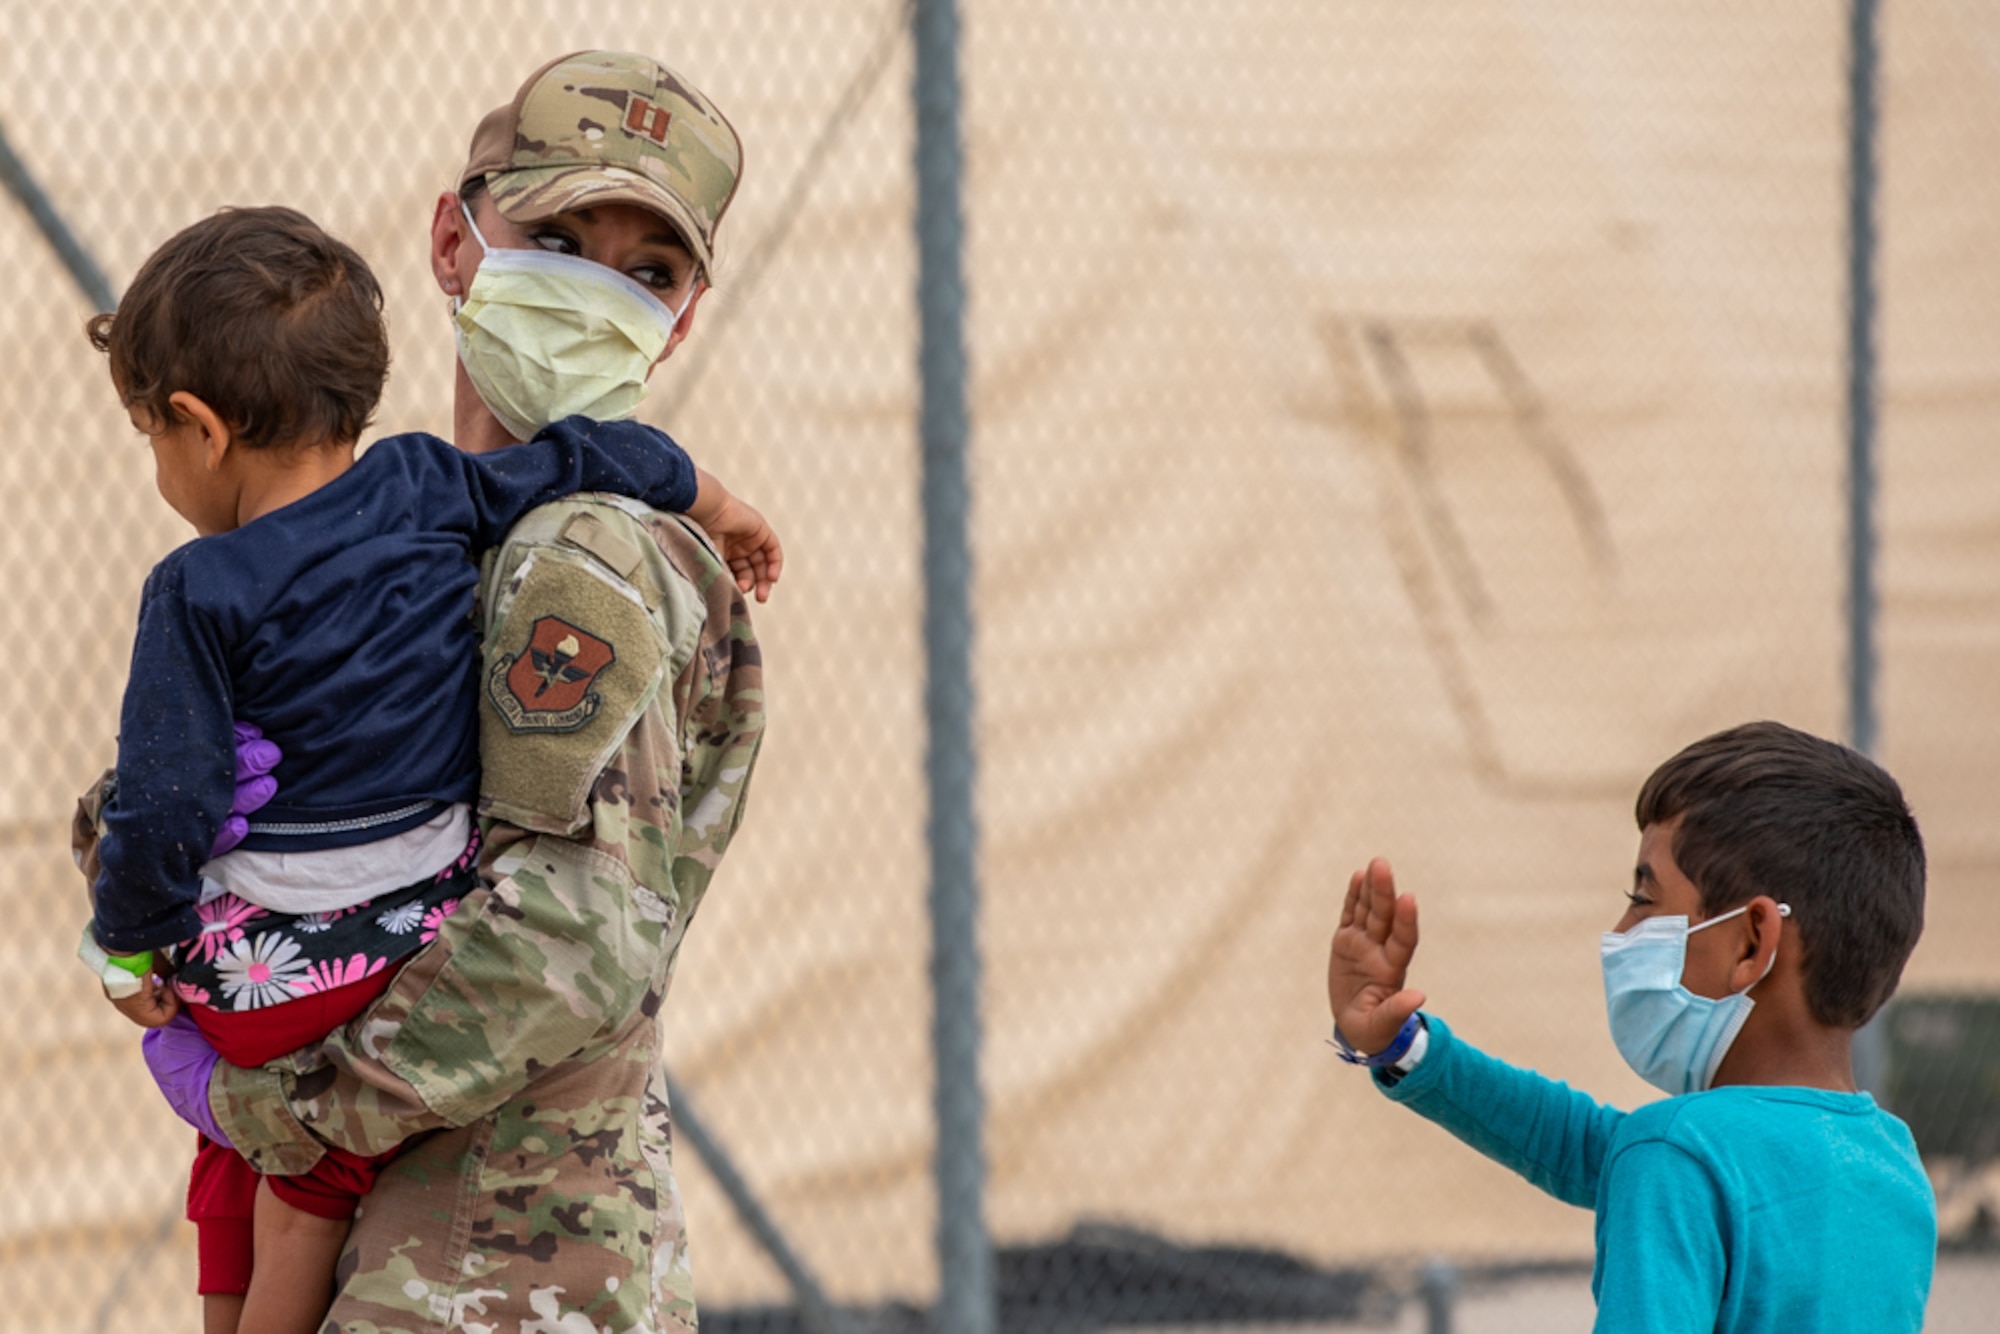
{"x": 545, "y": 685}
{"x": 573, "y": 658}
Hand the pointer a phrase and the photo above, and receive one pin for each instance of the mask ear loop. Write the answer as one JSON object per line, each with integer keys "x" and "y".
{"x": 694, "y": 285}
{"x": 477, "y": 235}
{"x": 1784, "y": 911}
{"x": 455, "y": 301}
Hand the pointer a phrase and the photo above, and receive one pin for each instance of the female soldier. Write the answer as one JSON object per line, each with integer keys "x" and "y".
{"x": 520, "y": 1047}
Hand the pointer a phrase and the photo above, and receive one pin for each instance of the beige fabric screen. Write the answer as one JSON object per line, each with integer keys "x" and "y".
{"x": 1395, "y": 431}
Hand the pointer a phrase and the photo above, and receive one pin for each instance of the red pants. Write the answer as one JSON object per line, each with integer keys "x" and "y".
{"x": 222, "y": 1188}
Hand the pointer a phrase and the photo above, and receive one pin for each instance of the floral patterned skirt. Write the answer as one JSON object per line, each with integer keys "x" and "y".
{"x": 248, "y": 957}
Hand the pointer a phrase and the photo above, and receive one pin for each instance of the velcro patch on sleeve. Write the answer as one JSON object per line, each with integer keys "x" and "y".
{"x": 572, "y": 659}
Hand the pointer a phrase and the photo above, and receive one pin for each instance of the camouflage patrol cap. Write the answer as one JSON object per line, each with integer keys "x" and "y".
{"x": 602, "y": 127}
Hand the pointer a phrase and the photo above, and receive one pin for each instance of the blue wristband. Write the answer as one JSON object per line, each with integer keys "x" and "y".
{"x": 1389, "y": 1055}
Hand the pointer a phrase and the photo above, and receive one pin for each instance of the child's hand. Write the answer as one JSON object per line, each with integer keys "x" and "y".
{"x": 754, "y": 554}
{"x": 745, "y": 539}
{"x": 153, "y": 1006}
{"x": 1370, "y": 958}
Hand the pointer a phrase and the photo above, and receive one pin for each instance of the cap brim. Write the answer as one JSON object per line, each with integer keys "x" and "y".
{"x": 533, "y": 194}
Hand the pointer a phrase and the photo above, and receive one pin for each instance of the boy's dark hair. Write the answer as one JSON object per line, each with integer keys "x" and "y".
{"x": 262, "y": 316}
{"x": 1767, "y": 809}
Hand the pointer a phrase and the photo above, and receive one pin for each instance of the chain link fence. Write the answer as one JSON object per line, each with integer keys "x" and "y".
{"x": 1393, "y": 431}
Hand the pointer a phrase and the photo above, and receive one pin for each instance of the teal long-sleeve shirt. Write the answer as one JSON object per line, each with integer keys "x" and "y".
{"x": 1742, "y": 1210}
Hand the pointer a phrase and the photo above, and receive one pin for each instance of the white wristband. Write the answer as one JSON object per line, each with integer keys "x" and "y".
{"x": 119, "y": 983}
{"x": 1420, "y": 1044}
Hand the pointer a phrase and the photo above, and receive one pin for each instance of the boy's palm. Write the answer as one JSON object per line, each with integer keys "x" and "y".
{"x": 1370, "y": 959}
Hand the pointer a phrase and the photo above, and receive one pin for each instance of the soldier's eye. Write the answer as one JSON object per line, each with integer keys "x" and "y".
{"x": 656, "y": 276}
{"x": 559, "y": 241}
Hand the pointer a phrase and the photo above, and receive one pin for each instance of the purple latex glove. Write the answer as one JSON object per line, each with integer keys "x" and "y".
{"x": 255, "y": 758}
{"x": 182, "y": 1061}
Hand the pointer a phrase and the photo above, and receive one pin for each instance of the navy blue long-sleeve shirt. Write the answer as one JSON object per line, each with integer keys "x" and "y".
{"x": 341, "y": 625}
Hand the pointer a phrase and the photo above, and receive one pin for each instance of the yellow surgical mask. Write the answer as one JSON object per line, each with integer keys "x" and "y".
{"x": 545, "y": 336}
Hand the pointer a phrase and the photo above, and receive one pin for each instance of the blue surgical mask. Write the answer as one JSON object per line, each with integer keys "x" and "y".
{"x": 1672, "y": 1038}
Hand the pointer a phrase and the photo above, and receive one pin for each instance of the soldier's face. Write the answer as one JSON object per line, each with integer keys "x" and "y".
{"x": 637, "y": 243}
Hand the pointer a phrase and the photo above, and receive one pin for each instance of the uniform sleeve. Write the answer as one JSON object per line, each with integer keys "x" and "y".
{"x": 175, "y": 777}
{"x": 1661, "y": 1266}
{"x": 724, "y": 731}
{"x": 576, "y": 454}
{"x": 564, "y": 950}
{"x": 1551, "y": 1134}
{"x": 576, "y": 939}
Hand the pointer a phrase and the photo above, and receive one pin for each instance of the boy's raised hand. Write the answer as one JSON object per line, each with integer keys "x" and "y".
{"x": 1370, "y": 959}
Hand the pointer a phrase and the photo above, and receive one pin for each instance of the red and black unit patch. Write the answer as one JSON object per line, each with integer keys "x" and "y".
{"x": 546, "y": 687}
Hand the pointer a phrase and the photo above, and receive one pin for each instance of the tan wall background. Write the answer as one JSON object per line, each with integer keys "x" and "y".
{"x": 1396, "y": 430}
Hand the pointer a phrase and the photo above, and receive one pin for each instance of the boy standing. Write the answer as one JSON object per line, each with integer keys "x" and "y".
{"x": 1767, "y": 1193}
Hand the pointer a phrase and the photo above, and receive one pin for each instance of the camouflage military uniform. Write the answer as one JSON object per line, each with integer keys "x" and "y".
{"x": 623, "y": 710}
{"x": 622, "y": 713}
{"x": 598, "y": 126}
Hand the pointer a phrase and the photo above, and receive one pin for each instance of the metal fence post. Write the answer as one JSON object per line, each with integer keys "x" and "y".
{"x": 1439, "y": 1286}
{"x": 1871, "y": 1056}
{"x": 966, "y": 1303}
{"x": 816, "y": 1311}
{"x": 1861, "y": 406}
{"x": 83, "y": 269}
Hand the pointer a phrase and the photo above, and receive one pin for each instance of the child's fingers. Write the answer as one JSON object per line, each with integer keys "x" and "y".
{"x": 752, "y": 577}
{"x": 1379, "y": 893}
{"x": 1356, "y": 970}
{"x": 756, "y": 561}
{"x": 1350, "y": 909}
{"x": 761, "y": 567}
{"x": 1402, "y": 941}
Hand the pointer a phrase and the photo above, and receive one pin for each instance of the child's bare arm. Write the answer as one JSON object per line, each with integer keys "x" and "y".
{"x": 1370, "y": 960}
{"x": 746, "y": 539}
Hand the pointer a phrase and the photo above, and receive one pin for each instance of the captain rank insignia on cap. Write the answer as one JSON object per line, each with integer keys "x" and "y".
{"x": 546, "y": 686}
{"x": 643, "y": 117}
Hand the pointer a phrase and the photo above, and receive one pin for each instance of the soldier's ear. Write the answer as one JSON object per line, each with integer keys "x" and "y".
{"x": 682, "y": 327}
{"x": 448, "y": 238}
{"x": 216, "y": 437}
